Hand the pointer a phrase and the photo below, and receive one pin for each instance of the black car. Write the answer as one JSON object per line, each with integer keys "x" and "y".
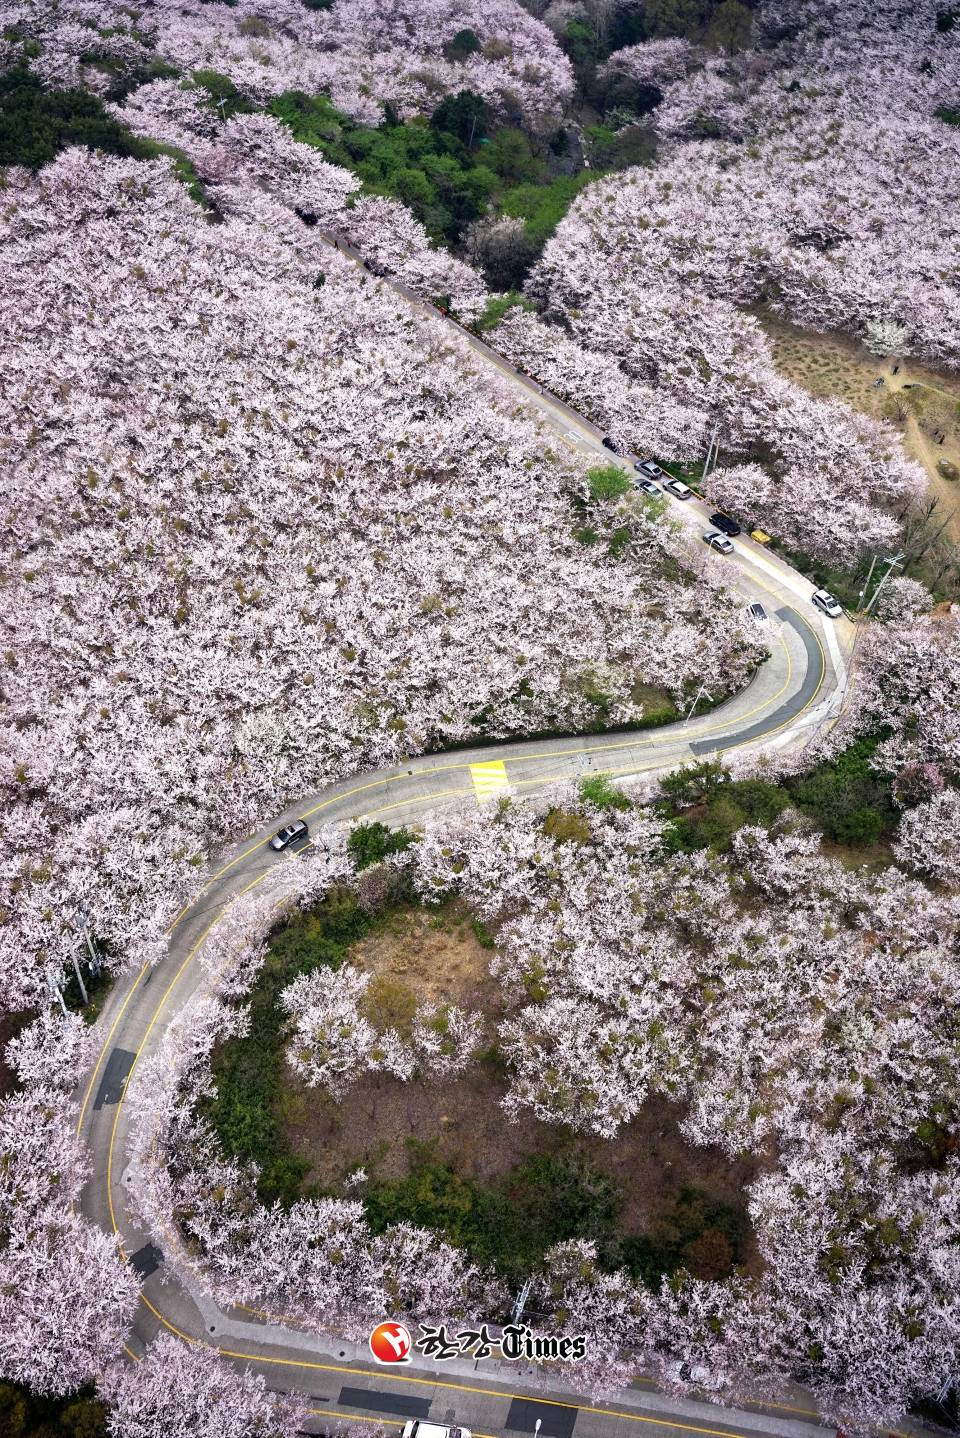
{"x": 608, "y": 443}
{"x": 726, "y": 524}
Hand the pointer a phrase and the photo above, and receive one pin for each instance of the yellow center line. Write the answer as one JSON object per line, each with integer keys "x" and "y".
{"x": 431, "y": 798}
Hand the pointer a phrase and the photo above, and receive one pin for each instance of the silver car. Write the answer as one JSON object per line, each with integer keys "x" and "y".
{"x": 289, "y": 834}
{"x": 718, "y": 541}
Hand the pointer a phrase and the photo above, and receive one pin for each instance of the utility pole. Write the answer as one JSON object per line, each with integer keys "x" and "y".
{"x": 866, "y": 582}
{"x": 521, "y": 1301}
{"x": 892, "y": 561}
{"x": 81, "y": 923}
{"x": 76, "y": 970}
{"x": 57, "y": 993}
{"x": 713, "y": 450}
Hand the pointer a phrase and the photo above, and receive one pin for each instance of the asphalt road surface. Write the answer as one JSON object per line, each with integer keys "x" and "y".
{"x": 793, "y": 695}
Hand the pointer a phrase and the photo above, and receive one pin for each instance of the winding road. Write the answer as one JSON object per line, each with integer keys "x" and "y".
{"x": 792, "y": 696}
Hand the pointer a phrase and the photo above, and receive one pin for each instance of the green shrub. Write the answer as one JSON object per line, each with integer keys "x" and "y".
{"x": 600, "y": 790}
{"x": 498, "y": 306}
{"x": 704, "y": 1235}
{"x": 567, "y": 828}
{"x": 36, "y": 124}
{"x": 509, "y": 1225}
{"x": 371, "y": 843}
{"x": 847, "y": 798}
{"x": 24, "y": 1414}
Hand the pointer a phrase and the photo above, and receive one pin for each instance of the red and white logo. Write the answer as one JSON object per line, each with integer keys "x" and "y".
{"x": 391, "y": 1343}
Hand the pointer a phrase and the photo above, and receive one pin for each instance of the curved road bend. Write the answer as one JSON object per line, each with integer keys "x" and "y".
{"x": 794, "y": 693}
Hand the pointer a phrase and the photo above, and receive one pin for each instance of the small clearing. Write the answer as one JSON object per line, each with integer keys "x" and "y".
{"x": 922, "y": 403}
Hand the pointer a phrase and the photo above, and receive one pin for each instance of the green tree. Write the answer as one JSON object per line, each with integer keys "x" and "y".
{"x": 35, "y": 124}
{"x": 465, "y": 114}
{"x": 464, "y": 44}
{"x": 607, "y": 482}
{"x": 731, "y": 27}
{"x": 676, "y": 17}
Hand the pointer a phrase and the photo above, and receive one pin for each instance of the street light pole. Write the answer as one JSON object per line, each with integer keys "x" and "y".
{"x": 696, "y": 700}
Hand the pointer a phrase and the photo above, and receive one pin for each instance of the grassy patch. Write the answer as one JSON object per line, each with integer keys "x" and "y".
{"x": 497, "y": 307}
{"x": 246, "y": 1111}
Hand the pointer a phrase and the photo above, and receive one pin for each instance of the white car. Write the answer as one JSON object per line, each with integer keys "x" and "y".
{"x": 757, "y": 613}
{"x": 416, "y": 1429}
{"x": 678, "y": 488}
{"x": 718, "y": 541}
{"x": 824, "y": 600}
{"x": 289, "y": 834}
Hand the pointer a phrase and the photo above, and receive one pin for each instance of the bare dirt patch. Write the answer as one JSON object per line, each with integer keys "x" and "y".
{"x": 439, "y": 954}
{"x": 383, "y": 1124}
{"x": 923, "y": 403}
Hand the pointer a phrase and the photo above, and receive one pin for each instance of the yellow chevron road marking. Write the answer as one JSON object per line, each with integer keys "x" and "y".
{"x": 489, "y": 779}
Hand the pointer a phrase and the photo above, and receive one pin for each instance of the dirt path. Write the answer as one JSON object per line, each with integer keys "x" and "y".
{"x": 917, "y": 400}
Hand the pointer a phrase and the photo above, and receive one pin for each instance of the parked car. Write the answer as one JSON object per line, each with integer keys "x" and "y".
{"x": 757, "y": 613}
{"x": 286, "y": 836}
{"x": 728, "y": 525}
{"x": 608, "y": 443}
{"x": 650, "y": 468}
{"x": 718, "y": 541}
{"x": 414, "y": 1428}
{"x": 678, "y": 488}
{"x": 647, "y": 485}
{"x": 824, "y": 600}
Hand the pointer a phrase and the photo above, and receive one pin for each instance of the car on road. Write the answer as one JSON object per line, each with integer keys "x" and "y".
{"x": 608, "y": 443}
{"x": 824, "y": 600}
{"x": 728, "y": 525}
{"x": 414, "y": 1428}
{"x": 757, "y": 613}
{"x": 718, "y": 541}
{"x": 646, "y": 485}
{"x": 289, "y": 834}
{"x": 650, "y": 468}
{"x": 678, "y": 488}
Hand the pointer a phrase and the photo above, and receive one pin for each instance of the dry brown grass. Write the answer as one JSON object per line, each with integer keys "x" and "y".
{"x": 437, "y": 956}
{"x": 835, "y": 365}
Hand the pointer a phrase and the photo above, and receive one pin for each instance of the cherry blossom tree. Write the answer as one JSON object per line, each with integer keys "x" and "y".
{"x": 928, "y": 838}
{"x": 188, "y": 1388}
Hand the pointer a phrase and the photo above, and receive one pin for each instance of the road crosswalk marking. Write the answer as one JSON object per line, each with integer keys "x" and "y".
{"x": 489, "y": 779}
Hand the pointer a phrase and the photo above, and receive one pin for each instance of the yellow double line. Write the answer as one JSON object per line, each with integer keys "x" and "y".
{"x": 549, "y": 755}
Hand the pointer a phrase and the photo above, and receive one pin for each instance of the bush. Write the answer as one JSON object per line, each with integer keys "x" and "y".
{"x": 498, "y": 306}
{"x": 371, "y": 843}
{"x": 567, "y": 828}
{"x": 509, "y": 1225}
{"x": 707, "y": 808}
{"x": 704, "y": 1235}
{"x": 607, "y": 482}
{"x": 848, "y": 799}
{"x": 600, "y": 790}
{"x": 24, "y": 1414}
